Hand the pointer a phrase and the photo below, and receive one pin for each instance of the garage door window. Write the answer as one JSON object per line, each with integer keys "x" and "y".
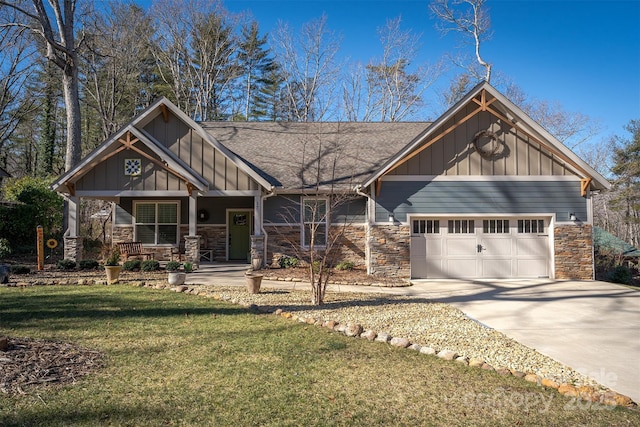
{"x": 495, "y": 226}
{"x": 461, "y": 226}
{"x": 426, "y": 226}
{"x": 530, "y": 226}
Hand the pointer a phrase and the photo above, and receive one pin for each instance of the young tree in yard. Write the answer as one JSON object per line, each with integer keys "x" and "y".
{"x": 471, "y": 19}
{"x": 325, "y": 178}
{"x": 53, "y": 24}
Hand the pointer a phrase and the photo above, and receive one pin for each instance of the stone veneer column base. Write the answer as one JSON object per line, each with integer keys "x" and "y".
{"x": 257, "y": 252}
{"x": 573, "y": 248}
{"x": 389, "y": 247}
{"x": 73, "y": 248}
{"x": 192, "y": 249}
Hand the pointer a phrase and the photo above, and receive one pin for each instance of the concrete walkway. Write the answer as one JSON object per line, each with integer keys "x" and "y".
{"x": 592, "y": 327}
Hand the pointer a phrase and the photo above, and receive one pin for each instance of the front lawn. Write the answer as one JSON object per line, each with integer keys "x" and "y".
{"x": 176, "y": 359}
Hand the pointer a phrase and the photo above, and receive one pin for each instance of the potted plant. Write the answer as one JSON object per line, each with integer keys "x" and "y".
{"x": 176, "y": 277}
{"x": 188, "y": 267}
{"x": 112, "y": 265}
{"x": 253, "y": 281}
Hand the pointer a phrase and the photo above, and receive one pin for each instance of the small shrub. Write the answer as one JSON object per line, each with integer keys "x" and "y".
{"x": 188, "y": 267}
{"x": 112, "y": 256}
{"x": 88, "y": 264}
{"x": 288, "y": 262}
{"x": 345, "y": 265}
{"x": 150, "y": 265}
{"x": 5, "y": 248}
{"x": 20, "y": 269}
{"x": 621, "y": 274}
{"x": 131, "y": 265}
{"x": 66, "y": 264}
{"x": 172, "y": 266}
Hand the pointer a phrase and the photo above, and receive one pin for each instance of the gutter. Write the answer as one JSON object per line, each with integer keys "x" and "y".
{"x": 271, "y": 193}
{"x": 367, "y": 233}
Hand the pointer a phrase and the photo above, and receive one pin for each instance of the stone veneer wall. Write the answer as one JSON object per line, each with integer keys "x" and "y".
{"x": 215, "y": 238}
{"x": 389, "y": 246}
{"x": 350, "y": 245}
{"x": 573, "y": 248}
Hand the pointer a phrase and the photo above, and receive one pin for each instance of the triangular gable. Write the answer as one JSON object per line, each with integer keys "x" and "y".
{"x": 166, "y": 106}
{"x": 486, "y": 99}
{"x": 126, "y": 139}
{"x": 132, "y": 133}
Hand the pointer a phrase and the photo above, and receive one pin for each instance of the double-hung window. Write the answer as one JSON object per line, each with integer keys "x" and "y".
{"x": 156, "y": 223}
{"x": 314, "y": 222}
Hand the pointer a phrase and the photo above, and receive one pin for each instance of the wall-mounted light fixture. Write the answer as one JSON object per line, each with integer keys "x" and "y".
{"x": 573, "y": 216}
{"x": 391, "y": 217}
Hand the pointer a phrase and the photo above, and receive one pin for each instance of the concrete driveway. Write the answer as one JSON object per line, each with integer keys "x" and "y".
{"x": 592, "y": 327}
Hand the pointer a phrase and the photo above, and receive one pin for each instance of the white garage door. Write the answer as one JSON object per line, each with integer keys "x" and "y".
{"x": 479, "y": 248}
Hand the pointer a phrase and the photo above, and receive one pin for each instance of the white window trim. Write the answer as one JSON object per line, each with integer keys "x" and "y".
{"x": 134, "y": 223}
{"x": 303, "y": 222}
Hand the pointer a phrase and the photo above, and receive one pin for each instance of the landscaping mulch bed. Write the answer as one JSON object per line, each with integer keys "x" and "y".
{"x": 27, "y": 362}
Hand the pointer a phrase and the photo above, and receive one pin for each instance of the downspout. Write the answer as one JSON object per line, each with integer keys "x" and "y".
{"x": 367, "y": 231}
{"x": 264, "y": 197}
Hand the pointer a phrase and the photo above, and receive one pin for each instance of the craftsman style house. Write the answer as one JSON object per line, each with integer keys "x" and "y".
{"x": 482, "y": 192}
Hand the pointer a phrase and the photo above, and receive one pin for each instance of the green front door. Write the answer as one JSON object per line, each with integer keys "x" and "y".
{"x": 239, "y": 235}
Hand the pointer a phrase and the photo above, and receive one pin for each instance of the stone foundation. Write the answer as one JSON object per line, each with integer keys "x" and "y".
{"x": 389, "y": 248}
{"x": 214, "y": 238}
{"x": 573, "y": 248}
{"x": 285, "y": 240}
{"x": 73, "y": 247}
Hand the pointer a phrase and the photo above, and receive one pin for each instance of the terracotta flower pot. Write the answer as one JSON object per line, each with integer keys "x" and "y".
{"x": 253, "y": 283}
{"x": 113, "y": 273}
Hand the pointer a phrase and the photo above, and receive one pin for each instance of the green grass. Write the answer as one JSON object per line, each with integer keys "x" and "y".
{"x": 176, "y": 359}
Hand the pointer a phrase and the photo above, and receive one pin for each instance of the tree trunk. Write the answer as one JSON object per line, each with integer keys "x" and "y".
{"x": 72, "y": 104}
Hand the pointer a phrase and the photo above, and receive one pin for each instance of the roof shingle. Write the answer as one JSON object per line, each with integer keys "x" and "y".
{"x": 295, "y": 155}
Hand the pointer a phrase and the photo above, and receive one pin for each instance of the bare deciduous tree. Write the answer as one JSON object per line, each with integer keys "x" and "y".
{"x": 53, "y": 23}
{"x": 471, "y": 19}
{"x": 391, "y": 88}
{"x": 15, "y": 59}
{"x": 308, "y": 63}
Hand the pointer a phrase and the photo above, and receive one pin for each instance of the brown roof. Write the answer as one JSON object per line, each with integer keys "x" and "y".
{"x": 287, "y": 153}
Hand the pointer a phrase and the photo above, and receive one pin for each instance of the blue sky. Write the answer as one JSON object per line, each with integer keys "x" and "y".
{"x": 583, "y": 54}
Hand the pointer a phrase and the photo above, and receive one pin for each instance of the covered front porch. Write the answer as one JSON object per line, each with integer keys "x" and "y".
{"x": 173, "y": 188}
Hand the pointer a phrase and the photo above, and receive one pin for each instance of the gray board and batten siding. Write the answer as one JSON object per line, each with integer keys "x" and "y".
{"x": 403, "y": 198}
{"x": 455, "y": 154}
{"x": 219, "y": 171}
{"x": 285, "y": 209}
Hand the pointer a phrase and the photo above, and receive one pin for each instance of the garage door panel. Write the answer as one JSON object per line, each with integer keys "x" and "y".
{"x": 531, "y": 268}
{"x": 497, "y": 268}
{"x": 498, "y": 246}
{"x": 532, "y": 246}
{"x": 494, "y": 248}
{"x": 463, "y": 268}
{"x": 461, "y": 246}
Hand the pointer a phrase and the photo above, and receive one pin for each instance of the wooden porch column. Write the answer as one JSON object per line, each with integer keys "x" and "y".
{"x": 72, "y": 242}
{"x": 193, "y": 214}
{"x": 257, "y": 215}
{"x": 73, "y": 227}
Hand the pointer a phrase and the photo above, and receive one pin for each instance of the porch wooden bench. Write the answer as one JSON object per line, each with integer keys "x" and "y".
{"x": 128, "y": 249}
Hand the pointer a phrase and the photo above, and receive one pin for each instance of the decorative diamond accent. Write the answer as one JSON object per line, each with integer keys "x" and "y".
{"x": 132, "y": 167}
